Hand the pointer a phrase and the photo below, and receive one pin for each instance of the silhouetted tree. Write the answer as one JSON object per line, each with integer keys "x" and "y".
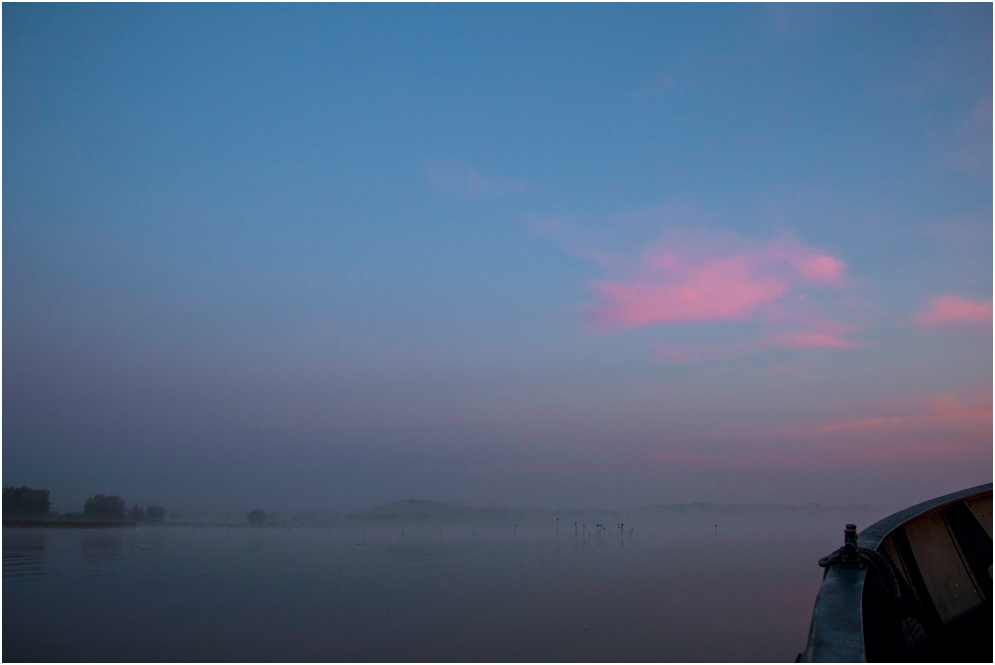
{"x": 136, "y": 513}
{"x": 155, "y": 514}
{"x": 25, "y": 502}
{"x": 104, "y": 507}
{"x": 257, "y": 517}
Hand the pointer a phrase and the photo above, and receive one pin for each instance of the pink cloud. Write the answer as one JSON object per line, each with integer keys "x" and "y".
{"x": 977, "y": 407}
{"x": 852, "y": 424}
{"x": 683, "y": 354}
{"x": 941, "y": 427}
{"x": 916, "y": 416}
{"x": 673, "y": 286}
{"x": 953, "y": 310}
{"x": 808, "y": 264}
{"x": 937, "y": 428}
{"x": 922, "y": 414}
{"x": 809, "y": 339}
{"x": 722, "y": 290}
{"x": 820, "y": 333}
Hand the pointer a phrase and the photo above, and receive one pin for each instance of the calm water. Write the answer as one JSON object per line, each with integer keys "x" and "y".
{"x": 674, "y": 591}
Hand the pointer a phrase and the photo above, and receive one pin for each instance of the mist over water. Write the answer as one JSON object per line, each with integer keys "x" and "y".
{"x": 700, "y": 584}
{"x": 305, "y": 258}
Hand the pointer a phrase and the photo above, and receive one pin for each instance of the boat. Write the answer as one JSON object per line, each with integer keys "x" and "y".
{"x": 915, "y": 586}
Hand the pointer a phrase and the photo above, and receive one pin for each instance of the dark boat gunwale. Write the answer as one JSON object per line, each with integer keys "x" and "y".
{"x": 836, "y": 633}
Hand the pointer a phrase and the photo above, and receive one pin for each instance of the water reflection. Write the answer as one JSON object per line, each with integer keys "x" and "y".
{"x": 101, "y": 552}
{"x": 23, "y": 554}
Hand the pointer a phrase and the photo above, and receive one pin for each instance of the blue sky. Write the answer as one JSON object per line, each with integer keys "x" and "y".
{"x": 588, "y": 255}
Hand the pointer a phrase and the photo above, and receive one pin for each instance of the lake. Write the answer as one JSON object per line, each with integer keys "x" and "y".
{"x": 697, "y": 584}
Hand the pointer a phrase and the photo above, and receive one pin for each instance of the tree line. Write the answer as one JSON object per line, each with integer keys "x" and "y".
{"x": 28, "y": 503}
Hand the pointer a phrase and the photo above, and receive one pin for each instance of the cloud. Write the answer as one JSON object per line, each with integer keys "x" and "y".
{"x": 852, "y": 424}
{"x": 976, "y": 407}
{"x": 928, "y": 428}
{"x": 716, "y": 281}
{"x": 674, "y": 286}
{"x": 794, "y": 22}
{"x": 457, "y": 179}
{"x": 722, "y": 291}
{"x": 825, "y": 334}
{"x": 683, "y": 354}
{"x": 656, "y": 86}
{"x": 808, "y": 339}
{"x": 970, "y": 229}
{"x": 971, "y": 147}
{"x": 820, "y": 333}
{"x": 951, "y": 310}
{"x": 904, "y": 423}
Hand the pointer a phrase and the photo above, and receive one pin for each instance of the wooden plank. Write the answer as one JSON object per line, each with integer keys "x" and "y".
{"x": 890, "y": 550}
{"x": 982, "y": 509}
{"x": 949, "y": 583}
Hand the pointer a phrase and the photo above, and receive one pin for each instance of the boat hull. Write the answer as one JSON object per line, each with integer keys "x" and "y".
{"x": 915, "y": 586}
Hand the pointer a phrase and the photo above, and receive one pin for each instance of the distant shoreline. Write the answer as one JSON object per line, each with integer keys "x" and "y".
{"x": 415, "y": 512}
{"x": 111, "y": 524}
{"x": 69, "y": 524}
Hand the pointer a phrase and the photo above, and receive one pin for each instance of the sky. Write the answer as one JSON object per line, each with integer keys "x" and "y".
{"x": 316, "y": 257}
